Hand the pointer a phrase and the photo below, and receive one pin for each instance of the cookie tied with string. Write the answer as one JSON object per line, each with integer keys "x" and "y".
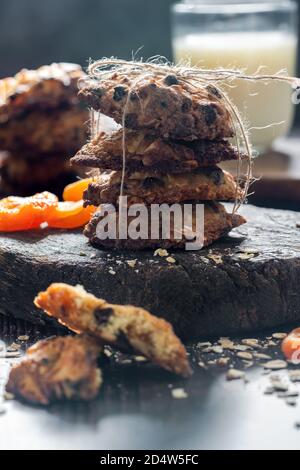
{"x": 162, "y": 104}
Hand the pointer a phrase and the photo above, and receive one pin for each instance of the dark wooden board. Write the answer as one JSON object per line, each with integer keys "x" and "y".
{"x": 135, "y": 408}
{"x": 199, "y": 296}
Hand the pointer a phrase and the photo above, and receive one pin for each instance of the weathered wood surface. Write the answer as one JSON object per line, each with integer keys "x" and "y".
{"x": 200, "y": 295}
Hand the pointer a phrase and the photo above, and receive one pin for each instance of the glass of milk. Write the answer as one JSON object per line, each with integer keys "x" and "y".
{"x": 244, "y": 34}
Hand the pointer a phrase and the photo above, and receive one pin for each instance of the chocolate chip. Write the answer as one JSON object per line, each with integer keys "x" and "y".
{"x": 171, "y": 80}
{"x": 217, "y": 176}
{"x": 119, "y": 93}
{"x": 213, "y": 91}
{"x": 131, "y": 120}
{"x": 133, "y": 96}
{"x": 102, "y": 315}
{"x": 209, "y": 112}
{"x": 151, "y": 181}
{"x": 163, "y": 104}
{"x": 99, "y": 92}
{"x": 186, "y": 105}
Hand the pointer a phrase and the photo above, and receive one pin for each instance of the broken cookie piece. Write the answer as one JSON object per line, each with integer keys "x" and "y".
{"x": 57, "y": 368}
{"x": 123, "y": 326}
{"x": 145, "y": 152}
{"x": 56, "y": 130}
{"x": 210, "y": 183}
{"x": 177, "y": 110}
{"x": 48, "y": 87}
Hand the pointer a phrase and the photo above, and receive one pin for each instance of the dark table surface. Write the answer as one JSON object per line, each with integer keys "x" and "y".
{"x": 136, "y": 410}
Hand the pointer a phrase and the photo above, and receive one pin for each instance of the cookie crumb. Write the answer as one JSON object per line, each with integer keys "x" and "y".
{"x": 131, "y": 262}
{"x": 171, "y": 260}
{"x": 161, "y": 252}
{"x": 276, "y": 364}
{"x": 179, "y": 393}
{"x": 23, "y": 338}
{"x": 234, "y": 374}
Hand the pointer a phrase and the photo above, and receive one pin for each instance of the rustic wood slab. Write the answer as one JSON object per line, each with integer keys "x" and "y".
{"x": 247, "y": 281}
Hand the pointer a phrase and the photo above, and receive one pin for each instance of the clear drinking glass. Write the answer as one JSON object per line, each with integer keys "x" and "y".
{"x": 245, "y": 34}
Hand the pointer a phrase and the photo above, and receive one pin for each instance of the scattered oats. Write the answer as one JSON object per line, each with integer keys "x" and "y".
{"x": 107, "y": 352}
{"x": 207, "y": 350}
{"x": 12, "y": 354}
{"x": 111, "y": 271}
{"x": 261, "y": 355}
{"x": 131, "y": 262}
{"x": 269, "y": 391}
{"x": 223, "y": 361}
{"x": 217, "y": 349}
{"x": 272, "y": 343}
{"x": 8, "y": 396}
{"x": 291, "y": 402}
{"x": 93, "y": 256}
{"x": 207, "y": 344}
{"x": 276, "y": 364}
{"x": 245, "y": 255}
{"x": 294, "y": 375}
{"x": 251, "y": 342}
{"x": 171, "y": 260}
{"x": 245, "y": 355}
{"x": 241, "y": 347}
{"x": 279, "y": 335}
{"x": 160, "y": 252}
{"x": 212, "y": 362}
{"x": 179, "y": 393}
{"x": 279, "y": 386}
{"x": 226, "y": 343}
{"x": 288, "y": 394}
{"x": 23, "y": 338}
{"x": 234, "y": 374}
{"x": 202, "y": 364}
{"x": 43, "y": 225}
{"x": 140, "y": 359}
{"x": 13, "y": 347}
{"x": 81, "y": 253}
{"x": 216, "y": 258}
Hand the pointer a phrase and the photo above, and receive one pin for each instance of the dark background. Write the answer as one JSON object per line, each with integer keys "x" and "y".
{"x": 36, "y": 32}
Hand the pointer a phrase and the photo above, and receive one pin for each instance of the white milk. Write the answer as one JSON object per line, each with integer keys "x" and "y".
{"x": 275, "y": 50}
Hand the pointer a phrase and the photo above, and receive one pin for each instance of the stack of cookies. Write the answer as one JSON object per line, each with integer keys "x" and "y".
{"x": 42, "y": 123}
{"x": 175, "y": 135}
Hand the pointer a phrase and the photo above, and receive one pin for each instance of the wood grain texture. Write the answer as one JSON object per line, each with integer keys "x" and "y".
{"x": 197, "y": 295}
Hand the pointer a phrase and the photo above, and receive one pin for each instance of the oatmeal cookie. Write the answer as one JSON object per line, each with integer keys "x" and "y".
{"x": 47, "y": 87}
{"x": 123, "y": 326}
{"x": 210, "y": 183}
{"x": 40, "y": 131}
{"x": 168, "y": 106}
{"x": 145, "y": 152}
{"x": 57, "y": 368}
{"x": 217, "y": 223}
